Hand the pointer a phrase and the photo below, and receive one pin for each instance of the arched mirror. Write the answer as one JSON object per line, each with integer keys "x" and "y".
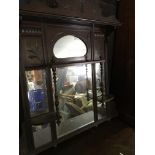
{"x": 69, "y": 46}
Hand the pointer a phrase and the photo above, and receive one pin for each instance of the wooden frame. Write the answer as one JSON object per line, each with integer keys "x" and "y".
{"x": 52, "y": 115}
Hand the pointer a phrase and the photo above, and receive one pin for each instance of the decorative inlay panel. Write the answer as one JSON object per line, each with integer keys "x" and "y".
{"x": 32, "y": 50}
{"x": 31, "y": 30}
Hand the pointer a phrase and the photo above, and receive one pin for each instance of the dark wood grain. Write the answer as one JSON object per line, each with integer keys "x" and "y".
{"x": 87, "y": 9}
{"x": 123, "y": 73}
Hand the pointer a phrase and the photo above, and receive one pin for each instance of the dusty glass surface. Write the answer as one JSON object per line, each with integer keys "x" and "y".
{"x": 41, "y": 134}
{"x": 69, "y": 46}
{"x": 36, "y": 91}
{"x": 74, "y": 89}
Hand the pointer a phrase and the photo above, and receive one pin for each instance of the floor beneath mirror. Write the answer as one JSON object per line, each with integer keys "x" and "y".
{"x": 110, "y": 138}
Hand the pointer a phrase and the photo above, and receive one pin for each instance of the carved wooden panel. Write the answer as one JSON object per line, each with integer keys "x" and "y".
{"x": 34, "y": 30}
{"x": 32, "y": 49}
{"x": 99, "y": 45}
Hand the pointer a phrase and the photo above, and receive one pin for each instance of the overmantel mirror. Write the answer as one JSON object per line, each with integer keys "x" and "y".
{"x": 64, "y": 81}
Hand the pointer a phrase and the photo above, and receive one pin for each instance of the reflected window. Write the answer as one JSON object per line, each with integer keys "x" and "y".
{"x": 69, "y": 46}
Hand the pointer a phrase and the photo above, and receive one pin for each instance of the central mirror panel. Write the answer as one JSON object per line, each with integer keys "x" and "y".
{"x": 75, "y": 97}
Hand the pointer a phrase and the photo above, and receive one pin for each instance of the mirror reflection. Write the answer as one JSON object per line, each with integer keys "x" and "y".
{"x": 69, "y": 46}
{"x": 41, "y": 134}
{"x": 36, "y": 91}
{"x": 74, "y": 89}
{"x": 100, "y": 91}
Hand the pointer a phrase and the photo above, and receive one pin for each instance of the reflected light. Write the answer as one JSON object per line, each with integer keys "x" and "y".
{"x": 81, "y": 70}
{"x": 69, "y": 46}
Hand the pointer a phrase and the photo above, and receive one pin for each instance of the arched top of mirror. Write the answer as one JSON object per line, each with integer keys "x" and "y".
{"x": 69, "y": 46}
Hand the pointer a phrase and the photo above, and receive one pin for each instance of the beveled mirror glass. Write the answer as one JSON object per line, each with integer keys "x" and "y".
{"x": 69, "y": 46}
